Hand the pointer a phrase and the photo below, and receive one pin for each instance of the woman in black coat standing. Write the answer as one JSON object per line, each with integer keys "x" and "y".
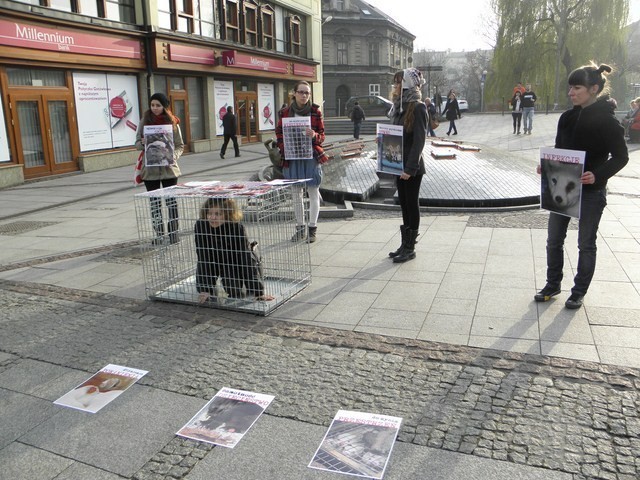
{"x": 452, "y": 112}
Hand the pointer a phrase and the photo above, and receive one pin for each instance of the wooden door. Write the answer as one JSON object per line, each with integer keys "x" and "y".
{"x": 247, "y": 116}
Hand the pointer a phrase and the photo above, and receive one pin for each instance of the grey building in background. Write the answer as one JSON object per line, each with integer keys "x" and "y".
{"x": 361, "y": 49}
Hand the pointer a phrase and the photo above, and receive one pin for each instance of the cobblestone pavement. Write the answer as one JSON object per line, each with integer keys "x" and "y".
{"x": 572, "y": 416}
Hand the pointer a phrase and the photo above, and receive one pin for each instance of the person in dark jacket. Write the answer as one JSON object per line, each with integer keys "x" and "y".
{"x": 431, "y": 111}
{"x": 452, "y": 112}
{"x": 229, "y": 131}
{"x": 516, "y": 111}
{"x": 528, "y": 108}
{"x": 225, "y": 254}
{"x": 357, "y": 117}
{"x": 590, "y": 126}
{"x": 409, "y": 111}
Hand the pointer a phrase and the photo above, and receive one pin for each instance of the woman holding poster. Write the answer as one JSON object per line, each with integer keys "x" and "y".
{"x": 592, "y": 127}
{"x": 411, "y": 113}
{"x": 303, "y": 167}
{"x": 163, "y": 173}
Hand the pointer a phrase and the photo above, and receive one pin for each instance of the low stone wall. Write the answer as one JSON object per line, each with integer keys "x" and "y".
{"x": 104, "y": 161}
{"x": 11, "y": 175}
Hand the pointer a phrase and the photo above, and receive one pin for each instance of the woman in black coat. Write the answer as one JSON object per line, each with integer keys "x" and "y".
{"x": 451, "y": 112}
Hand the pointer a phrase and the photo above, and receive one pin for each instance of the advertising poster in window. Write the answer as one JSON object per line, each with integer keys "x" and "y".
{"x": 266, "y": 107}
{"x": 4, "y": 139}
{"x": 223, "y": 98}
{"x": 107, "y": 110}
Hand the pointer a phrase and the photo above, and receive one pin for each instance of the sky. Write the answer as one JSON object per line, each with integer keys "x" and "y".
{"x": 434, "y": 28}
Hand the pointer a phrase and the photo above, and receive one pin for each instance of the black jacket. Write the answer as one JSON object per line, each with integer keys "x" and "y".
{"x": 451, "y": 109}
{"x": 229, "y": 124}
{"x": 357, "y": 114}
{"x": 225, "y": 253}
{"x": 528, "y": 99}
{"x": 595, "y": 130}
{"x": 413, "y": 141}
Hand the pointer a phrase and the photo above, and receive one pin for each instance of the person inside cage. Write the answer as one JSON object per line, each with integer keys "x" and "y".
{"x": 225, "y": 254}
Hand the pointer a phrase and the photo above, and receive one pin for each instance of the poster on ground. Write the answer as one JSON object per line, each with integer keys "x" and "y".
{"x": 222, "y": 98}
{"x": 560, "y": 187}
{"x": 357, "y": 444}
{"x": 227, "y": 417}
{"x": 389, "y": 148}
{"x": 101, "y": 389}
{"x": 297, "y": 145}
{"x": 159, "y": 146}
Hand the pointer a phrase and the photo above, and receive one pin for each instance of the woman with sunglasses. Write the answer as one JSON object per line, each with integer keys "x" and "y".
{"x": 301, "y": 106}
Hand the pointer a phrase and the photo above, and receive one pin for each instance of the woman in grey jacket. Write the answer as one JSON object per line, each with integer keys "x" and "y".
{"x": 157, "y": 176}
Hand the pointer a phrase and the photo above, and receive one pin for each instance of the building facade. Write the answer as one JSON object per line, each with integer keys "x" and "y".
{"x": 76, "y": 75}
{"x": 362, "y": 48}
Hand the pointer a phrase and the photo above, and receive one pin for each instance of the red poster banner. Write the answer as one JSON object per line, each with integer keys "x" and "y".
{"x": 181, "y": 53}
{"x": 41, "y": 38}
{"x": 304, "y": 70}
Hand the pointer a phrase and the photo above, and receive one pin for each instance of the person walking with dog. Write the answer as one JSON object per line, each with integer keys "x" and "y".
{"x": 590, "y": 126}
{"x": 229, "y": 132}
{"x": 411, "y": 113}
{"x": 516, "y": 111}
{"x": 528, "y": 107}
{"x": 357, "y": 117}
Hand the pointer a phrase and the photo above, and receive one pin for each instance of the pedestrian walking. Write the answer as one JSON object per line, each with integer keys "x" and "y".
{"x": 590, "y": 126}
{"x": 357, "y": 117}
{"x": 411, "y": 113}
{"x": 528, "y": 107}
{"x": 437, "y": 100}
{"x": 516, "y": 111}
{"x": 157, "y": 176}
{"x": 229, "y": 132}
{"x": 432, "y": 121}
{"x": 452, "y": 112}
{"x": 311, "y": 169}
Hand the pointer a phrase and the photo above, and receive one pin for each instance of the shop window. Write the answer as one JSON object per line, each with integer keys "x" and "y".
{"x": 159, "y": 84}
{"x": 231, "y": 15}
{"x": 342, "y": 52}
{"x": 250, "y": 20}
{"x": 293, "y": 35}
{"x": 196, "y": 107}
{"x": 36, "y": 78}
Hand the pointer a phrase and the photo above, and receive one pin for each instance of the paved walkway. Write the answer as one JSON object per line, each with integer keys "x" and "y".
{"x": 489, "y": 384}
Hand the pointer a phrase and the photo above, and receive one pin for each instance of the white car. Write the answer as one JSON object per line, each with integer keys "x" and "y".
{"x": 462, "y": 105}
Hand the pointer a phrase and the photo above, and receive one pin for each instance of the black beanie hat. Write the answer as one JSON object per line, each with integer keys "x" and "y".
{"x": 162, "y": 98}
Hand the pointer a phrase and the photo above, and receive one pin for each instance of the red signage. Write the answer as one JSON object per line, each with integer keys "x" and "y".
{"x": 304, "y": 70}
{"x": 231, "y": 58}
{"x": 180, "y": 53}
{"x": 41, "y": 38}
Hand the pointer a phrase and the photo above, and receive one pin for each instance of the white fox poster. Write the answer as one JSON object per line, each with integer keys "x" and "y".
{"x": 560, "y": 187}
{"x": 390, "y": 148}
{"x": 357, "y": 444}
{"x": 101, "y": 389}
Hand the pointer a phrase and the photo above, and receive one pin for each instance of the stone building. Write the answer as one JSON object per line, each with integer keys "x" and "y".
{"x": 361, "y": 50}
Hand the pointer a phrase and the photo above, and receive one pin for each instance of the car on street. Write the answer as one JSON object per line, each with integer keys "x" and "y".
{"x": 373, "y": 105}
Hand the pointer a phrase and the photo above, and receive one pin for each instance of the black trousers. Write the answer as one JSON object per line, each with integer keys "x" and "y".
{"x": 409, "y": 198}
{"x": 226, "y": 142}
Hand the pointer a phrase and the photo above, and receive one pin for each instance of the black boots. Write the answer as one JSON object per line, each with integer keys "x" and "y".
{"x": 408, "y": 251}
{"x": 403, "y": 239}
{"x": 312, "y": 234}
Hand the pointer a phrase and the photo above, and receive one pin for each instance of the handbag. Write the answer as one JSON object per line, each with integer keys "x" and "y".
{"x": 434, "y": 123}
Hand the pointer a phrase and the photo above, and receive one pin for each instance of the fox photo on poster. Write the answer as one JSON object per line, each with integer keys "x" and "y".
{"x": 389, "y": 139}
{"x": 560, "y": 187}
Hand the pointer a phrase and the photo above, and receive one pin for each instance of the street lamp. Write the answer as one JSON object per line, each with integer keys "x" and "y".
{"x": 482, "y": 80}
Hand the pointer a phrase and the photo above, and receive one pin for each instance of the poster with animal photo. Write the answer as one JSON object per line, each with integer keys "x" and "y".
{"x": 389, "y": 148}
{"x": 227, "y": 417}
{"x": 101, "y": 389}
{"x": 357, "y": 444}
{"x": 159, "y": 146}
{"x": 561, "y": 189}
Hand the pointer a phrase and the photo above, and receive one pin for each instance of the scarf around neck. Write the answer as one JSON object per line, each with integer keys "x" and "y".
{"x": 408, "y": 95}
{"x": 303, "y": 111}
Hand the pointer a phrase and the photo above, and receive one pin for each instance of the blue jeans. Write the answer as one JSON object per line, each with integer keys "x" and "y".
{"x": 356, "y": 129}
{"x": 591, "y": 208}
{"x": 527, "y": 114}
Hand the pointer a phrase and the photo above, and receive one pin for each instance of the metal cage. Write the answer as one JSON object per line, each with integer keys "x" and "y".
{"x": 185, "y": 260}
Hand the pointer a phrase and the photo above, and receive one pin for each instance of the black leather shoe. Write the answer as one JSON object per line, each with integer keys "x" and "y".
{"x": 546, "y": 293}
{"x": 574, "y": 301}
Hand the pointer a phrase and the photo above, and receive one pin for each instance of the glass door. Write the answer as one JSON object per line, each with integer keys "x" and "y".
{"x": 247, "y": 116}
{"x": 43, "y": 126}
{"x": 180, "y": 109}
